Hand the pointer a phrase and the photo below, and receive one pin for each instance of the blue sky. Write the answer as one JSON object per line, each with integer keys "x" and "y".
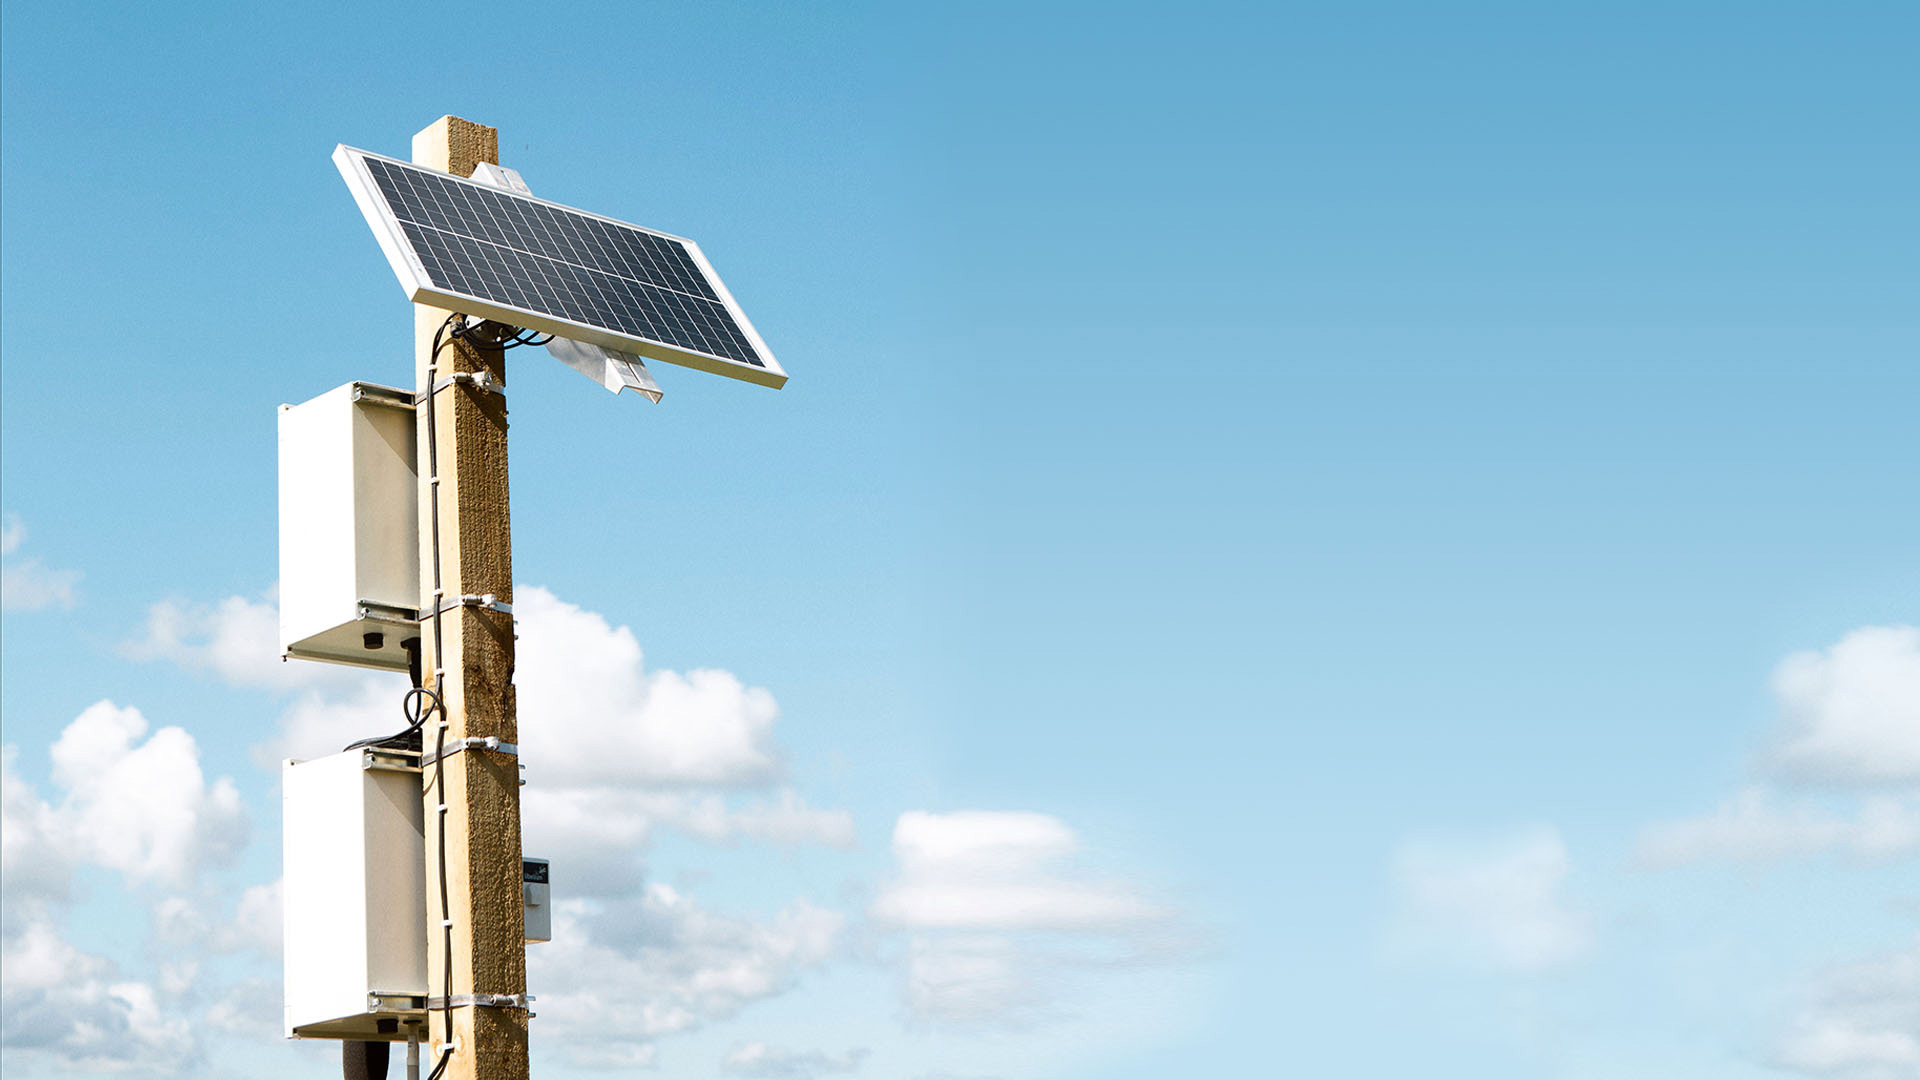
{"x": 1344, "y": 538}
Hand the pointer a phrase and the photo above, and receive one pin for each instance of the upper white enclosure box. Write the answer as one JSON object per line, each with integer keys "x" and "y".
{"x": 349, "y": 527}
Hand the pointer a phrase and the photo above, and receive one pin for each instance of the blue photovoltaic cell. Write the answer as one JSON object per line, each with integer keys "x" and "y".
{"x": 517, "y": 252}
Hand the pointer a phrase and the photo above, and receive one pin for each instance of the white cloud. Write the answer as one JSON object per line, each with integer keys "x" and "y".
{"x": 36, "y": 861}
{"x": 143, "y": 808}
{"x": 1862, "y": 1022}
{"x": 27, "y": 584}
{"x": 782, "y": 1063}
{"x": 197, "y": 924}
{"x": 250, "y": 1009}
{"x": 1852, "y": 712}
{"x": 639, "y": 747}
{"x": 31, "y": 585}
{"x": 985, "y": 870}
{"x": 1000, "y": 917}
{"x": 625, "y": 723}
{"x": 620, "y": 974}
{"x": 1496, "y": 903}
{"x": 974, "y": 980}
{"x": 59, "y": 1002}
{"x": 597, "y": 832}
{"x": 140, "y": 807}
{"x": 128, "y": 802}
{"x": 779, "y": 1063}
{"x": 1850, "y": 716}
{"x": 1757, "y": 827}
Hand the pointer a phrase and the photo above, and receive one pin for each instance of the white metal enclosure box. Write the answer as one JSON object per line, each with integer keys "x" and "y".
{"x": 355, "y": 885}
{"x": 349, "y": 527}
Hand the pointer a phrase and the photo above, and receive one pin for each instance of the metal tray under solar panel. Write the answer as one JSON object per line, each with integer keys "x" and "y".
{"x": 496, "y": 253}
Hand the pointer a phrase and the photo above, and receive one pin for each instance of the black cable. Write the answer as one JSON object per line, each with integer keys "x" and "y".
{"x": 419, "y": 704}
{"x": 505, "y": 337}
{"x": 446, "y": 924}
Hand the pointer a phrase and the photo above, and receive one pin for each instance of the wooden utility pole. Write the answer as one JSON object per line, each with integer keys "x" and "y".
{"x": 472, "y": 671}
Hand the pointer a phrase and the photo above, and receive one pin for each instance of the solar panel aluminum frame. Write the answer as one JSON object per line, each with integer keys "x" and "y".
{"x": 421, "y": 290}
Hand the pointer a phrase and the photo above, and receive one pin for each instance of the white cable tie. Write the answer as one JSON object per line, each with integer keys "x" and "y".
{"x": 446, "y": 924}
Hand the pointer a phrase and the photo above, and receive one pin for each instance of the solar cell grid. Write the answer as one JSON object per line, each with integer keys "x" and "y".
{"x": 499, "y": 246}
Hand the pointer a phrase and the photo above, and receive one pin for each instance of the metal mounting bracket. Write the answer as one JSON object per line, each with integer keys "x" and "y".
{"x": 374, "y": 609}
{"x": 490, "y": 742}
{"x": 497, "y": 1001}
{"x": 489, "y": 601}
{"x": 479, "y": 380}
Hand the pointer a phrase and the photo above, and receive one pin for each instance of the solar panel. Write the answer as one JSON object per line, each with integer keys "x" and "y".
{"x": 496, "y": 253}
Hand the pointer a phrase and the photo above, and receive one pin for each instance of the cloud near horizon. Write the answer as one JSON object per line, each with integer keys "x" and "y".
{"x": 141, "y": 808}
{"x": 1497, "y": 903}
{"x": 1848, "y": 742}
{"x": 1000, "y": 917}
{"x": 1850, "y": 713}
{"x": 27, "y": 583}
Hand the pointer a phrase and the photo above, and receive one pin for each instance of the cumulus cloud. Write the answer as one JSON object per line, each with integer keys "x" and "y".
{"x": 1850, "y": 718}
{"x": 249, "y": 1009}
{"x": 197, "y": 925}
{"x": 26, "y": 583}
{"x": 36, "y": 860}
{"x": 598, "y": 831}
{"x": 1862, "y": 1021}
{"x": 643, "y": 749}
{"x": 779, "y": 1063}
{"x": 126, "y": 801}
{"x": 989, "y": 870}
{"x": 1851, "y": 712}
{"x": 142, "y": 807}
{"x": 1000, "y": 916}
{"x": 57, "y": 1001}
{"x": 628, "y": 723}
{"x": 1496, "y": 903}
{"x": 1758, "y": 827}
{"x": 977, "y": 980}
{"x": 625, "y": 972}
